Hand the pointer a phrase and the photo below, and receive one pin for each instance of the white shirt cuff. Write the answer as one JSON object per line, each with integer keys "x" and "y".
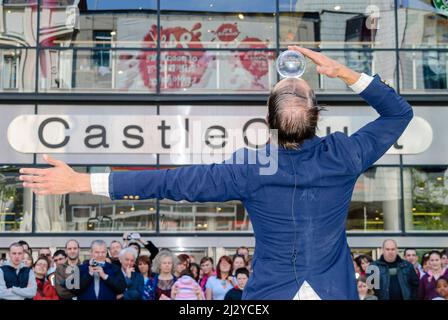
{"x": 362, "y": 83}
{"x": 99, "y": 182}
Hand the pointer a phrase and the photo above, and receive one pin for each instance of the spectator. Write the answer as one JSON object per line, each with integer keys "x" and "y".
{"x": 249, "y": 265}
{"x": 356, "y": 267}
{"x": 186, "y": 288}
{"x": 195, "y": 270}
{"x": 100, "y": 280}
{"x": 442, "y": 289}
{"x": 425, "y": 263}
{"x": 445, "y": 258}
{"x": 243, "y": 251}
{"x": 410, "y": 255}
{"x": 144, "y": 266}
{"x": 238, "y": 262}
{"x": 427, "y": 288}
{"x": 134, "y": 280}
{"x": 164, "y": 279}
{"x": 72, "y": 251}
{"x": 242, "y": 276}
{"x": 182, "y": 263}
{"x": 206, "y": 270}
{"x": 364, "y": 292}
{"x": 27, "y": 259}
{"x": 45, "y": 288}
{"x": 217, "y": 286}
{"x": 67, "y": 271}
{"x": 59, "y": 258}
{"x": 363, "y": 261}
{"x": 17, "y": 282}
{"x": 46, "y": 252}
{"x": 153, "y": 250}
{"x": 114, "y": 251}
{"x": 26, "y": 246}
{"x": 398, "y": 279}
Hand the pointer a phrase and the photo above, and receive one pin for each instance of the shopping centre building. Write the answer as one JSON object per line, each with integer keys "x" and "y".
{"x": 85, "y": 80}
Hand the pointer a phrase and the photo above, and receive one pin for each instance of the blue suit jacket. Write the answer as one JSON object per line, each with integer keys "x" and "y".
{"x": 109, "y": 289}
{"x": 298, "y": 213}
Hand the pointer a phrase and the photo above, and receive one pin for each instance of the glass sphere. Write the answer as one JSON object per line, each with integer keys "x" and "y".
{"x": 291, "y": 64}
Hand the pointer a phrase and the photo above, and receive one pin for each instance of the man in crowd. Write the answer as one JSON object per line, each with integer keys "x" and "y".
{"x": 59, "y": 258}
{"x": 410, "y": 255}
{"x": 114, "y": 251}
{"x": 397, "y": 277}
{"x": 100, "y": 280}
{"x": 68, "y": 271}
{"x": 134, "y": 280}
{"x": 17, "y": 282}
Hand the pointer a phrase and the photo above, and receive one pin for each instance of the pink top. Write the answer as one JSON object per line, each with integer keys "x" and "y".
{"x": 186, "y": 288}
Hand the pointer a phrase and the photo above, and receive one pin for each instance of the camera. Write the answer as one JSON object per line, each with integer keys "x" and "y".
{"x": 134, "y": 236}
{"x": 94, "y": 263}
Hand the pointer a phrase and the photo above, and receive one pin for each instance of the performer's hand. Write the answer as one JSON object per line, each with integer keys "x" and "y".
{"x": 327, "y": 66}
{"x": 60, "y": 179}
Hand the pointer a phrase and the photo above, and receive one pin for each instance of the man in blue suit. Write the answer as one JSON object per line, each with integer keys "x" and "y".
{"x": 100, "y": 280}
{"x": 299, "y": 212}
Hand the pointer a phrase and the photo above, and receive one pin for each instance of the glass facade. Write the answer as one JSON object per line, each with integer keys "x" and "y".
{"x": 65, "y": 53}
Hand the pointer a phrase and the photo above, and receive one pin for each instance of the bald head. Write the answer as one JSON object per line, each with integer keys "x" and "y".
{"x": 293, "y": 112}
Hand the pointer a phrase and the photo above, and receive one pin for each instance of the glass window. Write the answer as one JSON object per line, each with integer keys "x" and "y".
{"x": 426, "y": 198}
{"x": 185, "y": 216}
{"x": 98, "y": 70}
{"x": 376, "y": 201}
{"x": 342, "y": 24}
{"x": 90, "y": 213}
{"x": 423, "y": 71}
{"x": 18, "y": 23}
{"x": 71, "y": 23}
{"x": 17, "y": 70}
{"x": 15, "y": 202}
{"x": 423, "y": 24}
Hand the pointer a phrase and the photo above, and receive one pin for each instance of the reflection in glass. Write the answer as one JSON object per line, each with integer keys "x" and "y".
{"x": 426, "y": 198}
{"x": 15, "y": 202}
{"x": 184, "y": 216}
{"x": 18, "y": 23}
{"x": 424, "y": 71}
{"x": 375, "y": 202}
{"x": 17, "y": 70}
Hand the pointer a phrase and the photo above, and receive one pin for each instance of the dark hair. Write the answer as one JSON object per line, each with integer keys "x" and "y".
{"x": 364, "y": 280}
{"x": 243, "y": 271}
{"x": 137, "y": 245}
{"x": 205, "y": 259}
{"x": 145, "y": 259}
{"x": 425, "y": 258}
{"x": 362, "y": 257}
{"x": 441, "y": 279}
{"x": 184, "y": 258}
{"x": 24, "y": 243}
{"x": 186, "y": 272}
{"x": 409, "y": 249}
{"x": 42, "y": 258}
{"x": 218, "y": 267}
{"x": 435, "y": 252}
{"x": 198, "y": 268}
{"x": 60, "y": 252}
{"x": 294, "y": 113}
{"x": 445, "y": 252}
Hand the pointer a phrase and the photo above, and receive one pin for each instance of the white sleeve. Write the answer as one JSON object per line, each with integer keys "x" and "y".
{"x": 362, "y": 83}
{"x": 99, "y": 182}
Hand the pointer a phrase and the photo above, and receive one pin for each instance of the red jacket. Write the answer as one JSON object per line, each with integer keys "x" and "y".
{"x": 45, "y": 291}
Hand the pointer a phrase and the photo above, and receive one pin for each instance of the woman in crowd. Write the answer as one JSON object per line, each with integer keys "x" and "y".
{"x": 186, "y": 288}
{"x": 206, "y": 270}
{"x": 163, "y": 267}
{"x": 196, "y": 271}
{"x": 445, "y": 258}
{"x": 363, "y": 290}
{"x": 45, "y": 288}
{"x": 363, "y": 261}
{"x": 27, "y": 259}
{"x": 238, "y": 262}
{"x": 427, "y": 288}
{"x": 217, "y": 286}
{"x": 183, "y": 263}
{"x": 442, "y": 289}
{"x": 144, "y": 266}
{"x": 425, "y": 263}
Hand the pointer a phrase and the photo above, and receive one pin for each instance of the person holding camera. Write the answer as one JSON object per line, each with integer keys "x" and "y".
{"x": 133, "y": 239}
{"x": 100, "y": 280}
